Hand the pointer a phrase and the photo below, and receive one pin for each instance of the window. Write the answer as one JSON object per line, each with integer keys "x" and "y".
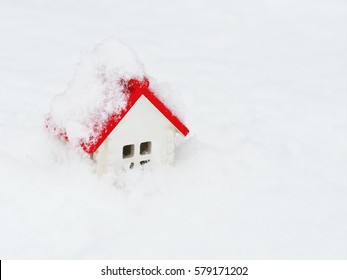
{"x": 128, "y": 151}
{"x": 145, "y": 148}
{"x": 144, "y": 162}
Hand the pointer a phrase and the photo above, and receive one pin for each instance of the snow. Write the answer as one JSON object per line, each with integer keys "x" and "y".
{"x": 262, "y": 174}
{"x": 95, "y": 93}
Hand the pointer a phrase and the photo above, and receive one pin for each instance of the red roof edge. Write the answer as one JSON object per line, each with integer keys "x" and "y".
{"x": 166, "y": 112}
{"x": 94, "y": 142}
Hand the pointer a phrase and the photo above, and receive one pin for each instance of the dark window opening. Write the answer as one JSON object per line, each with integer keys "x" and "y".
{"x": 128, "y": 151}
{"x": 131, "y": 165}
{"x": 145, "y": 148}
{"x": 144, "y": 162}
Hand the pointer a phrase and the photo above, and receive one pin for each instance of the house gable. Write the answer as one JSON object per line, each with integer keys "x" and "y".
{"x": 142, "y": 125}
{"x": 136, "y": 89}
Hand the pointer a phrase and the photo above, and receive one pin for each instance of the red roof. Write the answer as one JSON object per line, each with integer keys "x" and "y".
{"x": 135, "y": 89}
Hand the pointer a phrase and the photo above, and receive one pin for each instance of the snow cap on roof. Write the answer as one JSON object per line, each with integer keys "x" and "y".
{"x": 95, "y": 92}
{"x": 108, "y": 82}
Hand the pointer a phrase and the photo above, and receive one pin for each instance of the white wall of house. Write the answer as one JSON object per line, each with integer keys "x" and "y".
{"x": 143, "y": 123}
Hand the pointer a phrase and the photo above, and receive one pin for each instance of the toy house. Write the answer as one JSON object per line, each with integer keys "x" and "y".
{"x": 142, "y": 132}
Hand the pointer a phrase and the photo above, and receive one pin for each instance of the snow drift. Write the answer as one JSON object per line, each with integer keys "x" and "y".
{"x": 263, "y": 175}
{"x": 96, "y": 91}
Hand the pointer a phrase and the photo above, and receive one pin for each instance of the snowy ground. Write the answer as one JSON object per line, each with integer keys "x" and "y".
{"x": 263, "y": 172}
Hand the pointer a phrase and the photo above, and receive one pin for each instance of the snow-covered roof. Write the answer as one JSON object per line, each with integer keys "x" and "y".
{"x": 108, "y": 82}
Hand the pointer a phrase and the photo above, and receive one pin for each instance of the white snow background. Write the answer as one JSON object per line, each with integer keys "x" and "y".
{"x": 262, "y": 174}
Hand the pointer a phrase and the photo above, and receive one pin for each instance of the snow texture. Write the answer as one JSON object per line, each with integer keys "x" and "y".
{"x": 262, "y": 174}
{"x": 96, "y": 92}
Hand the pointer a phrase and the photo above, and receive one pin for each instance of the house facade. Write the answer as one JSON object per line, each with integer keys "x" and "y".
{"x": 142, "y": 132}
{"x": 144, "y": 135}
